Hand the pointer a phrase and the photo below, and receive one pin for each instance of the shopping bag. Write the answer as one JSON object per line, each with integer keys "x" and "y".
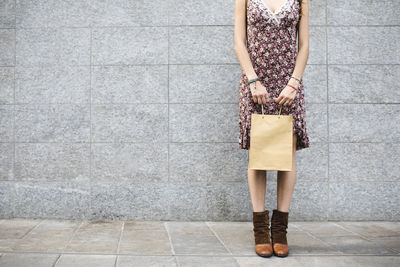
{"x": 271, "y": 141}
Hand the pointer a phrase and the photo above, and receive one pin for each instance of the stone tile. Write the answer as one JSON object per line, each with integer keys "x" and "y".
{"x": 368, "y": 83}
{"x": 204, "y": 83}
{"x": 355, "y": 245}
{"x": 15, "y": 228}
{"x": 304, "y": 243}
{"x": 156, "y": 261}
{"x": 328, "y": 261}
{"x": 130, "y": 123}
{"x": 209, "y": 261}
{"x": 67, "y": 200}
{"x": 203, "y": 122}
{"x": 201, "y": 45}
{"x": 52, "y": 84}
{"x": 130, "y": 84}
{"x": 363, "y": 13}
{"x": 211, "y": 201}
{"x": 96, "y": 237}
{"x": 317, "y": 12}
{"x": 6, "y": 161}
{"x": 52, "y": 123}
{"x": 378, "y": 261}
{"x": 72, "y": 260}
{"x": 194, "y": 238}
{"x": 392, "y": 226}
{"x": 7, "y": 43}
{"x": 6, "y": 123}
{"x": 69, "y": 161}
{"x": 129, "y": 13}
{"x": 390, "y": 242}
{"x": 53, "y": 14}
{"x": 26, "y": 259}
{"x": 320, "y": 229}
{"x": 352, "y": 123}
{"x": 364, "y": 201}
{"x": 144, "y": 239}
{"x": 144, "y": 225}
{"x": 48, "y": 236}
{"x": 130, "y": 162}
{"x": 127, "y": 201}
{"x": 6, "y": 84}
{"x": 53, "y": 46}
{"x": 309, "y": 201}
{"x": 237, "y": 237}
{"x": 185, "y": 12}
{"x": 315, "y": 84}
{"x": 136, "y": 45}
{"x": 215, "y": 162}
{"x": 317, "y": 123}
{"x": 371, "y": 229}
{"x": 317, "y": 49}
{"x": 7, "y": 14}
{"x": 7, "y": 199}
{"x": 364, "y": 45}
{"x": 364, "y": 162}
{"x": 312, "y": 163}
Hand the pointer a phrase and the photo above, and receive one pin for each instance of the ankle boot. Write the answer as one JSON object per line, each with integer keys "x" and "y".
{"x": 279, "y": 224}
{"x": 262, "y": 236}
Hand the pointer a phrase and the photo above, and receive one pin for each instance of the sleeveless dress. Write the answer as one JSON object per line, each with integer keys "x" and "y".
{"x": 271, "y": 43}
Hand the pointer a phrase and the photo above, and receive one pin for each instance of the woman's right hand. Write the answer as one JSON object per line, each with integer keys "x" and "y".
{"x": 259, "y": 93}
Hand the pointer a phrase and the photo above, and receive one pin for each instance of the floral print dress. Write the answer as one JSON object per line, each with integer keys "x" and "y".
{"x": 271, "y": 42}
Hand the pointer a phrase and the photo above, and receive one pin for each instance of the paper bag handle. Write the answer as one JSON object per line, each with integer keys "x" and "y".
{"x": 262, "y": 109}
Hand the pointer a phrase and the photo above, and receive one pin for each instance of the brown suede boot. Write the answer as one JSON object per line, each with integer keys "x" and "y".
{"x": 279, "y": 224}
{"x": 262, "y": 236}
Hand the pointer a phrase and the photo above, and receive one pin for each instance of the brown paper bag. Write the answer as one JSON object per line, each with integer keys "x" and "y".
{"x": 271, "y": 141}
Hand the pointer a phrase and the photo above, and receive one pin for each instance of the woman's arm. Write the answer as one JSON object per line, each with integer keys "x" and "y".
{"x": 287, "y": 95}
{"x": 240, "y": 39}
{"x": 303, "y": 49}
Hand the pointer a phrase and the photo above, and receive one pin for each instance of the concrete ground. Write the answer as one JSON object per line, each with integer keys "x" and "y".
{"x": 61, "y": 243}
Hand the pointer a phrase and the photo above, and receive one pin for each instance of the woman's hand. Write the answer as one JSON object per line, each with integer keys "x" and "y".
{"x": 286, "y": 97}
{"x": 259, "y": 93}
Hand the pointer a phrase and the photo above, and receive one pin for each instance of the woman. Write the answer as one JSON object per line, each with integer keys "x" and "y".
{"x": 265, "y": 43}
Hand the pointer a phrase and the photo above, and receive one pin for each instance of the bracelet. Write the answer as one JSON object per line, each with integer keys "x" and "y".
{"x": 292, "y": 86}
{"x": 253, "y": 80}
{"x": 295, "y": 78}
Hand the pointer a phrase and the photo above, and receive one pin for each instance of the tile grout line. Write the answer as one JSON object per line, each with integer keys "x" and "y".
{"x": 32, "y": 229}
{"x": 119, "y": 242}
{"x": 57, "y": 260}
{"x": 168, "y": 120}
{"x": 329, "y": 210}
{"x": 72, "y": 236}
{"x": 200, "y": 26}
{"x": 90, "y": 124}
{"x": 197, "y": 255}
{"x": 217, "y": 236}
{"x": 14, "y": 186}
{"x": 169, "y": 237}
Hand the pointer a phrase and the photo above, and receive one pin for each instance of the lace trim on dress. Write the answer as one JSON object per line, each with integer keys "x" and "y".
{"x": 279, "y": 13}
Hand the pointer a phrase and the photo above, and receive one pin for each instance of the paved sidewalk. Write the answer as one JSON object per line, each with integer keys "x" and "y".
{"x": 64, "y": 243}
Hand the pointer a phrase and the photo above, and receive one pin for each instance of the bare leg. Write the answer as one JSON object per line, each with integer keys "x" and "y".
{"x": 286, "y": 182}
{"x": 257, "y": 185}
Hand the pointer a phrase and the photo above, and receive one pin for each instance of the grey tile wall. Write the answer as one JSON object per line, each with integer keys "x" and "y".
{"x": 128, "y": 110}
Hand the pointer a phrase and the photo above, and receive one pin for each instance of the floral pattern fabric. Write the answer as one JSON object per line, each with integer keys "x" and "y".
{"x": 271, "y": 43}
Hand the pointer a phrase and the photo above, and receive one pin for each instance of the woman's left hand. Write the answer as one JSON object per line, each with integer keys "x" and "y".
{"x": 286, "y": 97}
